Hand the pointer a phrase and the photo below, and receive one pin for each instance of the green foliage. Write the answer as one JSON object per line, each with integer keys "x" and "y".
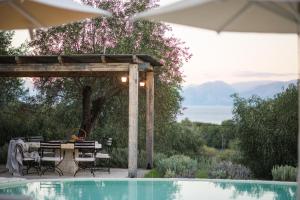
{"x": 152, "y": 174}
{"x": 3, "y": 153}
{"x": 228, "y": 170}
{"x": 217, "y": 136}
{"x": 284, "y": 173}
{"x": 119, "y": 158}
{"x": 178, "y": 165}
{"x": 202, "y": 173}
{"x": 6, "y": 47}
{"x": 170, "y": 174}
{"x": 209, "y": 152}
{"x": 180, "y": 138}
{"x": 268, "y": 130}
{"x": 13, "y": 98}
{"x": 204, "y": 165}
{"x": 11, "y": 91}
{"x": 229, "y": 155}
{"x": 157, "y": 158}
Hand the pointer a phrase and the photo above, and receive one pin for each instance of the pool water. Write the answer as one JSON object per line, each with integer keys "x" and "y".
{"x": 151, "y": 190}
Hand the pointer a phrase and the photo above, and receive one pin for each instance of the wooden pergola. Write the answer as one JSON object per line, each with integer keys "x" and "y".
{"x": 92, "y": 66}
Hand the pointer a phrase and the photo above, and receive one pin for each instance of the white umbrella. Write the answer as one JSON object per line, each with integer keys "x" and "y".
{"x": 23, "y": 14}
{"x": 262, "y": 16}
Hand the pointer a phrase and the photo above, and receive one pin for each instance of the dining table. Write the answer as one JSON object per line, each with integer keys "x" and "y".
{"x": 67, "y": 165}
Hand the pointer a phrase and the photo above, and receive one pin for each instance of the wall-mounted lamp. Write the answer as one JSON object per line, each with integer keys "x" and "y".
{"x": 124, "y": 79}
{"x": 142, "y": 83}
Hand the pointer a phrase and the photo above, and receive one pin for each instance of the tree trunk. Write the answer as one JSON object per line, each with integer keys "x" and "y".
{"x": 90, "y": 110}
{"x": 86, "y": 109}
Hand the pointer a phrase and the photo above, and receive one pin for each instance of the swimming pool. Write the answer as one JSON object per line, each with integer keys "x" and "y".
{"x": 149, "y": 189}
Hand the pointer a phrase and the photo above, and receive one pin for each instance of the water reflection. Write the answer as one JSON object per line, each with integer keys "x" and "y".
{"x": 100, "y": 190}
{"x": 257, "y": 191}
{"x": 152, "y": 190}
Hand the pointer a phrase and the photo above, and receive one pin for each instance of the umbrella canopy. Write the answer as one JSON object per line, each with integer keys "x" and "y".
{"x": 262, "y": 16}
{"x": 22, "y": 14}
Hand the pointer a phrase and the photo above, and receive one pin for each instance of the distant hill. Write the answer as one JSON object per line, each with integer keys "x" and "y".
{"x": 210, "y": 93}
{"x": 246, "y": 86}
{"x": 219, "y": 92}
{"x": 267, "y": 90}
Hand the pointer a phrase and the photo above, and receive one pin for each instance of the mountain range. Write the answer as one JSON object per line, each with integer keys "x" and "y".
{"x": 219, "y": 92}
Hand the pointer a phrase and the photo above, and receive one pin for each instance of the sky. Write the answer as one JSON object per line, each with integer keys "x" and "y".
{"x": 230, "y": 57}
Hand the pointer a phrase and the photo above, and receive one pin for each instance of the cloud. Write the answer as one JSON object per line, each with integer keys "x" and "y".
{"x": 252, "y": 74}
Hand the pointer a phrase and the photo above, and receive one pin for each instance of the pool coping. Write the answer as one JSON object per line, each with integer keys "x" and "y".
{"x": 12, "y": 182}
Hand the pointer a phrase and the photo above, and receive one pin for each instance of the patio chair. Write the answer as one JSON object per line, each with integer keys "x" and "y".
{"x": 18, "y": 138}
{"x": 28, "y": 160}
{"x": 51, "y": 160}
{"x": 35, "y": 139}
{"x": 105, "y": 153}
{"x": 85, "y": 158}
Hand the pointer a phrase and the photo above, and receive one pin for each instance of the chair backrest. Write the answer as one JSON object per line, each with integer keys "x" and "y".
{"x": 35, "y": 139}
{"x": 50, "y": 145}
{"x": 85, "y": 147}
{"x": 18, "y": 138}
{"x": 108, "y": 142}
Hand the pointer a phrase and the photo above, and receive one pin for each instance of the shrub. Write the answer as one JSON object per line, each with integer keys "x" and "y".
{"x": 204, "y": 165}
{"x": 228, "y": 170}
{"x": 229, "y": 155}
{"x": 209, "y": 152}
{"x": 202, "y": 173}
{"x": 262, "y": 130}
{"x": 152, "y": 174}
{"x": 142, "y": 159}
{"x": 182, "y": 166}
{"x": 170, "y": 174}
{"x": 157, "y": 158}
{"x": 119, "y": 158}
{"x": 183, "y": 137}
{"x": 284, "y": 173}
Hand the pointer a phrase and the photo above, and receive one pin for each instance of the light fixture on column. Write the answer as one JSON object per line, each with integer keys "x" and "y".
{"x": 142, "y": 83}
{"x": 124, "y": 79}
{"x": 142, "y": 79}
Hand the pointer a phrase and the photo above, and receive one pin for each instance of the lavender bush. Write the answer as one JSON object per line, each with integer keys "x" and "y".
{"x": 178, "y": 166}
{"x": 228, "y": 170}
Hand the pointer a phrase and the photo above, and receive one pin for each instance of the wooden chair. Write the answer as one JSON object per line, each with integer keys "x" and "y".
{"x": 55, "y": 157}
{"x": 85, "y": 158}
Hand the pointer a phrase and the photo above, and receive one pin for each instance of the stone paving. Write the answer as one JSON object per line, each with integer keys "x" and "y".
{"x": 5, "y": 176}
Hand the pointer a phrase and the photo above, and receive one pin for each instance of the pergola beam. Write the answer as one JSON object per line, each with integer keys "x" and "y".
{"x": 64, "y": 69}
{"x": 61, "y": 70}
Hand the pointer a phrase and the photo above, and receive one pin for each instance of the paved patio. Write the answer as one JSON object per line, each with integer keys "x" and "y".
{"x": 115, "y": 173}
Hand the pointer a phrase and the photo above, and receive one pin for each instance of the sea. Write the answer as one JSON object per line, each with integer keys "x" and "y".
{"x": 208, "y": 114}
